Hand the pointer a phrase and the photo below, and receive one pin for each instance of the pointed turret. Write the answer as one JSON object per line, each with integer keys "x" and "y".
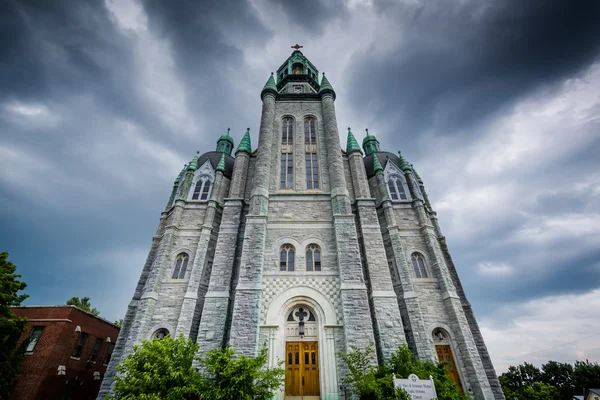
{"x": 404, "y": 166}
{"x": 352, "y": 144}
{"x": 193, "y": 165}
{"x": 376, "y": 164}
{"x": 245, "y": 143}
{"x": 270, "y": 86}
{"x": 326, "y": 87}
{"x": 225, "y": 143}
{"x": 221, "y": 164}
{"x": 370, "y": 144}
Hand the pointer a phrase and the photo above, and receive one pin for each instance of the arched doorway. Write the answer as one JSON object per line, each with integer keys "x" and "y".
{"x": 443, "y": 350}
{"x": 301, "y": 354}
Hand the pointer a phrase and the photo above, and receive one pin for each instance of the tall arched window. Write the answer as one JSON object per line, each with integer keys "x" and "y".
{"x": 202, "y": 189}
{"x": 310, "y": 150}
{"x": 286, "y": 258}
{"x": 287, "y": 154}
{"x": 397, "y": 188}
{"x": 313, "y": 258}
{"x": 180, "y": 266}
{"x": 418, "y": 262}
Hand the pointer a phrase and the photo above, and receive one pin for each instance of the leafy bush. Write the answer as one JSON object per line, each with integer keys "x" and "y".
{"x": 164, "y": 369}
{"x": 370, "y": 381}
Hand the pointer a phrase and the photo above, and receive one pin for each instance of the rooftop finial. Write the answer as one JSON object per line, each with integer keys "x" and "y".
{"x": 297, "y": 46}
{"x": 228, "y": 129}
{"x": 367, "y": 129}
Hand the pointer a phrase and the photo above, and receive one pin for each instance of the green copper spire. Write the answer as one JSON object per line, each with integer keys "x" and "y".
{"x": 194, "y": 163}
{"x": 245, "y": 143}
{"x": 376, "y": 164}
{"x": 270, "y": 86}
{"x": 221, "y": 164}
{"x": 225, "y": 143}
{"x": 326, "y": 86}
{"x": 352, "y": 144}
{"x": 180, "y": 174}
{"x": 370, "y": 143}
{"x": 404, "y": 166}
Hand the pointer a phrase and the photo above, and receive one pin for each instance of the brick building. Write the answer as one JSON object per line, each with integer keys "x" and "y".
{"x": 67, "y": 356}
{"x": 307, "y": 247}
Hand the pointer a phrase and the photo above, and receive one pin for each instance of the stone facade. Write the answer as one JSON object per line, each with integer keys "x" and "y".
{"x": 250, "y": 244}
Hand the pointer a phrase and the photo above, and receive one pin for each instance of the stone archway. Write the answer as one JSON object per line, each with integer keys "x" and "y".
{"x": 325, "y": 320}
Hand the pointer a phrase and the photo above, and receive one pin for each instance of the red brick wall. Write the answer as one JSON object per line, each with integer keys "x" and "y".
{"x": 38, "y": 377}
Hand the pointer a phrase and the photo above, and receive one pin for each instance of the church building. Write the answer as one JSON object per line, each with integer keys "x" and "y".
{"x": 306, "y": 248}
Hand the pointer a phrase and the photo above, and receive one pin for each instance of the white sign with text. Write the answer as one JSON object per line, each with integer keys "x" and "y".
{"x": 418, "y": 389}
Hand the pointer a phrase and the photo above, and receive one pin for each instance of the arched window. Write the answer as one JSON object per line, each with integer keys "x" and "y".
{"x": 180, "y": 266}
{"x": 397, "y": 188}
{"x": 202, "y": 189}
{"x": 418, "y": 262}
{"x": 160, "y": 334}
{"x": 313, "y": 258}
{"x": 310, "y": 149}
{"x": 287, "y": 154}
{"x": 286, "y": 258}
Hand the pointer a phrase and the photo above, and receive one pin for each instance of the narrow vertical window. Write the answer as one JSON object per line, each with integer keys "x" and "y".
{"x": 109, "y": 351}
{"x": 286, "y": 258}
{"x": 205, "y": 190}
{"x": 197, "y": 190}
{"x": 79, "y": 346}
{"x": 180, "y": 266}
{"x": 34, "y": 338}
{"x": 96, "y": 349}
{"x": 287, "y": 131}
{"x": 287, "y": 171}
{"x": 313, "y": 258}
{"x": 311, "y": 160}
{"x": 401, "y": 189}
{"x": 393, "y": 191}
{"x": 418, "y": 262}
{"x": 310, "y": 134}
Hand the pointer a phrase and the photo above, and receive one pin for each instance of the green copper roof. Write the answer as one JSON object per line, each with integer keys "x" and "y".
{"x": 376, "y": 164}
{"x": 227, "y": 137}
{"x": 326, "y": 86}
{"x": 245, "y": 143}
{"x": 180, "y": 174}
{"x": 221, "y": 164}
{"x": 270, "y": 85}
{"x": 368, "y": 138}
{"x": 352, "y": 144}
{"x": 194, "y": 163}
{"x": 404, "y": 166}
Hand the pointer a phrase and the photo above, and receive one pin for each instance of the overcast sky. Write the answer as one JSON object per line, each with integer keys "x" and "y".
{"x": 497, "y": 104}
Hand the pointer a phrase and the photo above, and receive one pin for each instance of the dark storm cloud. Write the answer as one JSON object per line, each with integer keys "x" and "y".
{"x": 312, "y": 16}
{"x": 460, "y": 62}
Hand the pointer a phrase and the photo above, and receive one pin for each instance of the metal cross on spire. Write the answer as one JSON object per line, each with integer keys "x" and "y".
{"x": 297, "y": 46}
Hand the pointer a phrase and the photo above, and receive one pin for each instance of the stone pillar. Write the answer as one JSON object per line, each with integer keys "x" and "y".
{"x": 246, "y": 307}
{"x": 213, "y": 324}
{"x": 355, "y": 302}
{"x": 467, "y": 349}
{"x": 406, "y": 297}
{"x": 328, "y": 365}
{"x": 389, "y": 331}
{"x": 190, "y": 299}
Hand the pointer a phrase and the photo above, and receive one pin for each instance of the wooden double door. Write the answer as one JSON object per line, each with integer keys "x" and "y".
{"x": 444, "y": 353}
{"x": 302, "y": 364}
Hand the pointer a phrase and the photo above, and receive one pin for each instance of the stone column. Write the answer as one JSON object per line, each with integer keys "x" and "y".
{"x": 467, "y": 349}
{"x": 246, "y": 307}
{"x": 331, "y": 384}
{"x": 389, "y": 331}
{"x": 355, "y": 302}
{"x": 190, "y": 299}
{"x": 213, "y": 323}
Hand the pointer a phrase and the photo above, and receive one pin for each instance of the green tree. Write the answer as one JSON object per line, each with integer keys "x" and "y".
{"x": 559, "y": 375}
{"x": 119, "y": 323}
{"x": 230, "y": 376}
{"x": 164, "y": 369}
{"x": 11, "y": 327}
{"x": 159, "y": 369}
{"x": 586, "y": 376}
{"x": 84, "y": 304}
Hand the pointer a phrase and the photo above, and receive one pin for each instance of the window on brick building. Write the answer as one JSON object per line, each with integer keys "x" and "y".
{"x": 419, "y": 265}
{"x": 286, "y": 258}
{"x": 313, "y": 258}
{"x": 109, "y": 351}
{"x": 96, "y": 349}
{"x": 180, "y": 266}
{"x": 34, "y": 338}
{"x": 79, "y": 345}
